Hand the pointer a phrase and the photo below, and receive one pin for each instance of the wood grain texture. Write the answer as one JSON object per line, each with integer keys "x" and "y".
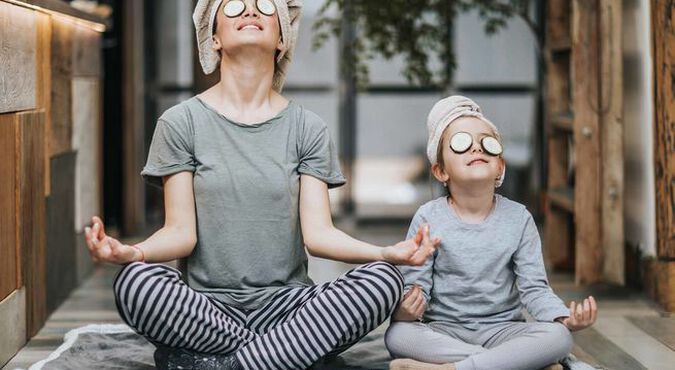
{"x": 31, "y": 210}
{"x": 8, "y": 222}
{"x": 585, "y": 69}
{"x": 611, "y": 123}
{"x": 17, "y": 58}
{"x": 663, "y": 17}
{"x": 44, "y": 83}
{"x": 60, "y": 130}
{"x": 86, "y": 52}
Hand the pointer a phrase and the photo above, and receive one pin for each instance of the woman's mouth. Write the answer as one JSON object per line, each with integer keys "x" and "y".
{"x": 250, "y": 27}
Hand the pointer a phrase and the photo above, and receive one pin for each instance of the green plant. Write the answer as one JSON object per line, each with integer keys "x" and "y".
{"x": 419, "y": 30}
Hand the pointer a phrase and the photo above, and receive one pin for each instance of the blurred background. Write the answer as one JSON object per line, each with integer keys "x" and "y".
{"x": 582, "y": 92}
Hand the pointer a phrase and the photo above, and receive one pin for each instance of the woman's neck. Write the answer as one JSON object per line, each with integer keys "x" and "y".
{"x": 244, "y": 92}
{"x": 472, "y": 204}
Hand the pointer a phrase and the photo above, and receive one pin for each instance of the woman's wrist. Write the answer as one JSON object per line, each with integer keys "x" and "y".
{"x": 140, "y": 255}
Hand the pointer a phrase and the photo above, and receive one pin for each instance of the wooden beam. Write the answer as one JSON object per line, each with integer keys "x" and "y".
{"x": 44, "y": 84}
{"x": 611, "y": 123}
{"x": 17, "y": 58}
{"x": 586, "y": 104}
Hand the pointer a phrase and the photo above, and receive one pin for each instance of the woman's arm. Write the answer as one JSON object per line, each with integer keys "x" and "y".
{"x": 324, "y": 240}
{"x": 176, "y": 239}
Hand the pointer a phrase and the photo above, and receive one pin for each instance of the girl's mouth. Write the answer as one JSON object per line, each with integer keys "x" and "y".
{"x": 477, "y": 161}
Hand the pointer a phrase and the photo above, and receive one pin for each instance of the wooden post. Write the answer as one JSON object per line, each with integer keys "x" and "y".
{"x": 611, "y": 131}
{"x": 663, "y": 31}
{"x": 134, "y": 117}
{"x": 587, "y": 149}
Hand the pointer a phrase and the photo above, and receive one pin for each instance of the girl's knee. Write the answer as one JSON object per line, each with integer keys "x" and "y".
{"x": 397, "y": 339}
{"x": 559, "y": 339}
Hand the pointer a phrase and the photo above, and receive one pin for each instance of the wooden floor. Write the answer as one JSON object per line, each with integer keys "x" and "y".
{"x": 631, "y": 332}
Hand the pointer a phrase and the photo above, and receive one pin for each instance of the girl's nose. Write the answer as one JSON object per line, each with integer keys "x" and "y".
{"x": 476, "y": 147}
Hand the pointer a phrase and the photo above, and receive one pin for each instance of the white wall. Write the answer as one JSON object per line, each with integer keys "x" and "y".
{"x": 639, "y": 209}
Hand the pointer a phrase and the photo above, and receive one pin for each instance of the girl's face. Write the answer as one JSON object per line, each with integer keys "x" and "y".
{"x": 250, "y": 28}
{"x": 473, "y": 166}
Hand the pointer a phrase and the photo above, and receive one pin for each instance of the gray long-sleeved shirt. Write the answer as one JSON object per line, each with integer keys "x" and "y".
{"x": 483, "y": 273}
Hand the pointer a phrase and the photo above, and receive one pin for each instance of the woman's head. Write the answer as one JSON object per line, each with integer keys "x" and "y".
{"x": 464, "y": 147}
{"x": 267, "y": 25}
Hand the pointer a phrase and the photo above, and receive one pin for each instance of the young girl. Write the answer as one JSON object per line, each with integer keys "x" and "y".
{"x": 462, "y": 309}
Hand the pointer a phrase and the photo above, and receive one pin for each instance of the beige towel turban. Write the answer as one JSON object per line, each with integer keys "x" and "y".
{"x": 288, "y": 11}
{"x": 444, "y": 113}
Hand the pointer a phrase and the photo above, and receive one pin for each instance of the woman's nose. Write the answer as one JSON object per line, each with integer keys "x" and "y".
{"x": 251, "y": 9}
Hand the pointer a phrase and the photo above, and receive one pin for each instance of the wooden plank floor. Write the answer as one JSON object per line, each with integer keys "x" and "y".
{"x": 631, "y": 332}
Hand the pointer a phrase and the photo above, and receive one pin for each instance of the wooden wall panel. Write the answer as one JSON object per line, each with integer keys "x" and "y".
{"x": 17, "y": 58}
{"x": 61, "y": 69}
{"x": 44, "y": 82}
{"x": 60, "y": 212}
{"x": 86, "y": 52}
{"x": 585, "y": 50}
{"x": 8, "y": 227}
{"x": 86, "y": 127}
{"x": 31, "y": 209}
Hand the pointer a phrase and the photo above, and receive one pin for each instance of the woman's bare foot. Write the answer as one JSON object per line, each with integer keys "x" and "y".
{"x": 408, "y": 364}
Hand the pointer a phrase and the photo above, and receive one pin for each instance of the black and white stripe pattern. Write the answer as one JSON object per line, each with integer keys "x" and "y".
{"x": 295, "y": 329}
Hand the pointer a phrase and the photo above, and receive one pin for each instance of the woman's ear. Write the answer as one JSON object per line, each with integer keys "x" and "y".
{"x": 216, "y": 43}
{"x": 439, "y": 173}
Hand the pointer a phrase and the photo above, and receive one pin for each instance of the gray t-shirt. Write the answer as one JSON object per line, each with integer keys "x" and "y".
{"x": 246, "y": 187}
{"x": 483, "y": 273}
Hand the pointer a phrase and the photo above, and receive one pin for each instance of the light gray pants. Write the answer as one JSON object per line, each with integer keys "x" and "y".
{"x": 504, "y": 346}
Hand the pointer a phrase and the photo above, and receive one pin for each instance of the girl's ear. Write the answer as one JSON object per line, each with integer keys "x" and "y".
{"x": 439, "y": 173}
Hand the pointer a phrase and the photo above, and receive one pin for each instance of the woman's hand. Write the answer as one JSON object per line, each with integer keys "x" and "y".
{"x": 413, "y": 251}
{"x": 411, "y": 307}
{"x": 108, "y": 249}
{"x": 581, "y": 315}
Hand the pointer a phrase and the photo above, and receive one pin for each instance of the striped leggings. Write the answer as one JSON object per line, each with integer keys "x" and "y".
{"x": 295, "y": 329}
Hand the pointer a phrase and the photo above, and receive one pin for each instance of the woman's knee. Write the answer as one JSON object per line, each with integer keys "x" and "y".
{"x": 387, "y": 275}
{"x": 134, "y": 281}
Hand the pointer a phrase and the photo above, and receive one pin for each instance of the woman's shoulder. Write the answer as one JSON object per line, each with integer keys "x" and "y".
{"x": 180, "y": 116}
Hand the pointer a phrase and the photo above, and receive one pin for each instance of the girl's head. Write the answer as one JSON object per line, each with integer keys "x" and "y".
{"x": 464, "y": 147}
{"x": 228, "y": 26}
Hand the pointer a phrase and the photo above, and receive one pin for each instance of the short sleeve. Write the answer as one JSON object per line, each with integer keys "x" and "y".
{"x": 318, "y": 155}
{"x": 171, "y": 151}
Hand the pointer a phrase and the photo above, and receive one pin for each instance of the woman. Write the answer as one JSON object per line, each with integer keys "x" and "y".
{"x": 245, "y": 175}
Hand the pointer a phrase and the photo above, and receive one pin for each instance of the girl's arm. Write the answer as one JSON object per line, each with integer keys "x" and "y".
{"x": 176, "y": 239}
{"x": 528, "y": 264}
{"x": 324, "y": 240}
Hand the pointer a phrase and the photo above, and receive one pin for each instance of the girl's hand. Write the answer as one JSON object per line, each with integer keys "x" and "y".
{"x": 581, "y": 315}
{"x": 108, "y": 249}
{"x": 411, "y": 307}
{"x": 413, "y": 251}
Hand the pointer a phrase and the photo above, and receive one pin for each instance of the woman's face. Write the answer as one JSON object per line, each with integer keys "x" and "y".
{"x": 474, "y": 165}
{"x": 249, "y": 29}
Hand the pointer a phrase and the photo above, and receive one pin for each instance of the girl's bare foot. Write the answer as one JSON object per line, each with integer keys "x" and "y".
{"x": 408, "y": 364}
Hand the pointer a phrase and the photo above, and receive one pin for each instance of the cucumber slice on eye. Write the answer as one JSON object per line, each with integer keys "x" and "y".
{"x": 492, "y": 145}
{"x": 460, "y": 142}
{"x": 234, "y": 8}
{"x": 266, "y": 7}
